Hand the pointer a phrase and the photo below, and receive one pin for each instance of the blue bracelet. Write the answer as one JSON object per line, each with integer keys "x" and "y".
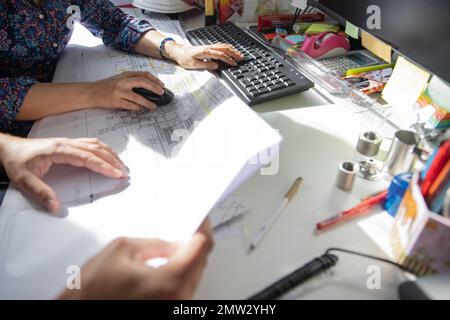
{"x": 162, "y": 45}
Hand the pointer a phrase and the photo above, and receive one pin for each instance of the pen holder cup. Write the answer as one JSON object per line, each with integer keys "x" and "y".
{"x": 400, "y": 157}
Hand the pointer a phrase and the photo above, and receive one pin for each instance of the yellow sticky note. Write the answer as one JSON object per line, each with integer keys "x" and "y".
{"x": 378, "y": 47}
{"x": 405, "y": 85}
{"x": 352, "y": 30}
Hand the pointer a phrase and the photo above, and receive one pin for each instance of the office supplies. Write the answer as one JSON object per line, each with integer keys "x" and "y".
{"x": 436, "y": 200}
{"x": 326, "y": 45}
{"x": 268, "y": 22}
{"x": 405, "y": 85}
{"x": 438, "y": 162}
{"x": 396, "y": 191}
{"x": 369, "y": 143}
{"x": 266, "y": 227}
{"x": 420, "y": 238}
{"x": 438, "y": 182}
{"x": 376, "y": 46}
{"x": 318, "y": 28}
{"x": 301, "y": 27}
{"x": 352, "y": 213}
{"x": 263, "y": 75}
{"x": 159, "y": 100}
{"x": 281, "y": 32}
{"x": 295, "y": 39}
{"x": 357, "y": 70}
{"x": 355, "y": 59}
{"x": 369, "y": 170}
{"x": 210, "y": 12}
{"x": 369, "y": 82}
{"x": 346, "y": 175}
{"x": 352, "y": 30}
{"x": 400, "y": 155}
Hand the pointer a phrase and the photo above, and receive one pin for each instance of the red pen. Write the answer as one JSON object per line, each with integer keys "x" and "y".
{"x": 353, "y": 212}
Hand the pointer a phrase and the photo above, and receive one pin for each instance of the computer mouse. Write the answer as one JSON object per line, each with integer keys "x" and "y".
{"x": 159, "y": 100}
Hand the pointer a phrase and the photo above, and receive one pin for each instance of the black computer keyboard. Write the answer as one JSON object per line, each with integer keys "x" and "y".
{"x": 262, "y": 75}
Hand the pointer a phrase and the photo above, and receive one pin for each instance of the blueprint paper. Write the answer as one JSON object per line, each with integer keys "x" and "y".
{"x": 227, "y": 210}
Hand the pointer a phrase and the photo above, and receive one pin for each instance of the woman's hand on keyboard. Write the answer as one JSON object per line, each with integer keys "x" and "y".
{"x": 200, "y": 57}
{"x": 26, "y": 161}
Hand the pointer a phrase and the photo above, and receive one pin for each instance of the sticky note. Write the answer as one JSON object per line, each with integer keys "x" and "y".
{"x": 301, "y": 4}
{"x": 405, "y": 85}
{"x": 352, "y": 30}
{"x": 317, "y": 28}
{"x": 377, "y": 47}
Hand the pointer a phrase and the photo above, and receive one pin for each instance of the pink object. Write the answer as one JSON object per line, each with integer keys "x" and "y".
{"x": 326, "y": 45}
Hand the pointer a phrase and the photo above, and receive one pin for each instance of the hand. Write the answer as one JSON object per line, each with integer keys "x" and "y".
{"x": 198, "y": 57}
{"x": 116, "y": 92}
{"x": 119, "y": 271}
{"x": 26, "y": 161}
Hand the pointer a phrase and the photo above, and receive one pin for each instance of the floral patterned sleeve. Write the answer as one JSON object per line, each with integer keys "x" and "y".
{"x": 116, "y": 28}
{"x": 12, "y": 94}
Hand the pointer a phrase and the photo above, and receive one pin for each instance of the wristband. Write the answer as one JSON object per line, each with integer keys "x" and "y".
{"x": 162, "y": 47}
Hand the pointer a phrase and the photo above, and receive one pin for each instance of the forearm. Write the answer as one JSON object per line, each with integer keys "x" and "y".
{"x": 4, "y": 140}
{"x": 45, "y": 99}
{"x": 149, "y": 44}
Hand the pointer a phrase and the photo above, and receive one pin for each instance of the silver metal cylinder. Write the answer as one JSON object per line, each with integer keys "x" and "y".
{"x": 346, "y": 175}
{"x": 369, "y": 143}
{"x": 400, "y": 156}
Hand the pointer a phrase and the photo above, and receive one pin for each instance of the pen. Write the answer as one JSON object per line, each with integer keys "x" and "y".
{"x": 266, "y": 227}
{"x": 354, "y": 212}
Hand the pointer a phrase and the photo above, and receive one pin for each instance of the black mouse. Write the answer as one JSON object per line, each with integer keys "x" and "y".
{"x": 159, "y": 100}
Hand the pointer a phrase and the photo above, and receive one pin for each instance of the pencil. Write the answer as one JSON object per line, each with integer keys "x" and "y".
{"x": 266, "y": 227}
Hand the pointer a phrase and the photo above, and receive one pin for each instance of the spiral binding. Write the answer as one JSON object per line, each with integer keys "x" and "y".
{"x": 297, "y": 277}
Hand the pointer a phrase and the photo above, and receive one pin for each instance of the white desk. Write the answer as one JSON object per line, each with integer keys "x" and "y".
{"x": 317, "y": 136}
{"x": 315, "y": 141}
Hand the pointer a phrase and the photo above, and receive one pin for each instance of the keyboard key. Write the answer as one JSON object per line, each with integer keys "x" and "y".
{"x": 289, "y": 83}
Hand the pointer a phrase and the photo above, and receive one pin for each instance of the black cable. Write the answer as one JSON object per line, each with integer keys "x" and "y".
{"x": 309, "y": 270}
{"x": 369, "y": 256}
{"x": 297, "y": 277}
{"x": 296, "y": 14}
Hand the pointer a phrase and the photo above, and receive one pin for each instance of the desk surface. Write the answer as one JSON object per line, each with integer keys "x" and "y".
{"x": 315, "y": 141}
{"x": 317, "y": 136}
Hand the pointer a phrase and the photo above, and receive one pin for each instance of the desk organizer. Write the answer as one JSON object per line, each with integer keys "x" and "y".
{"x": 420, "y": 238}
